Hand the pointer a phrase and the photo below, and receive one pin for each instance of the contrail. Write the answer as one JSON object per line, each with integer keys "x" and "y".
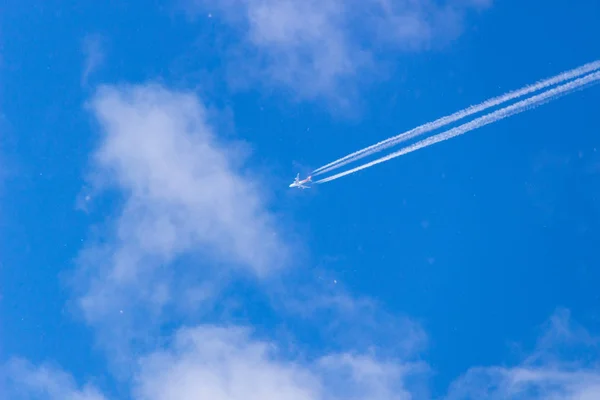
{"x": 502, "y": 113}
{"x": 584, "y": 69}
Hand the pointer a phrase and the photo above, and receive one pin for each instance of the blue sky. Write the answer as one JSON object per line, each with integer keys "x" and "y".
{"x": 150, "y": 248}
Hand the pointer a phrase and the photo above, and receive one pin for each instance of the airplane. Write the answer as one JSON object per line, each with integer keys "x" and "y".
{"x": 300, "y": 184}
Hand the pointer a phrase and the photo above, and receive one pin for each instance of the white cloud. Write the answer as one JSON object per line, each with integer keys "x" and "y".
{"x": 322, "y": 48}
{"x": 94, "y": 55}
{"x": 563, "y": 366}
{"x": 226, "y": 364}
{"x": 183, "y": 189}
{"x": 217, "y": 363}
{"x": 527, "y": 384}
{"x": 20, "y": 380}
{"x": 185, "y": 197}
{"x": 230, "y": 363}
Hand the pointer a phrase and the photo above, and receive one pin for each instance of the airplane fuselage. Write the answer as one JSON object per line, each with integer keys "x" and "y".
{"x": 300, "y": 183}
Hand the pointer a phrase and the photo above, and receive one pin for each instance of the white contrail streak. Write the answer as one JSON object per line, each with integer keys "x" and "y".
{"x": 584, "y": 69}
{"x": 502, "y": 113}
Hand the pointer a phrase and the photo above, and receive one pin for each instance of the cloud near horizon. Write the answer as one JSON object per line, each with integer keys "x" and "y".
{"x": 325, "y": 49}
{"x": 547, "y": 373}
{"x": 228, "y": 363}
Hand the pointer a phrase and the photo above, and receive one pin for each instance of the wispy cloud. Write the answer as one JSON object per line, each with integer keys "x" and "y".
{"x": 21, "y": 380}
{"x": 563, "y": 366}
{"x": 334, "y": 311}
{"x": 94, "y": 48}
{"x": 323, "y": 49}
